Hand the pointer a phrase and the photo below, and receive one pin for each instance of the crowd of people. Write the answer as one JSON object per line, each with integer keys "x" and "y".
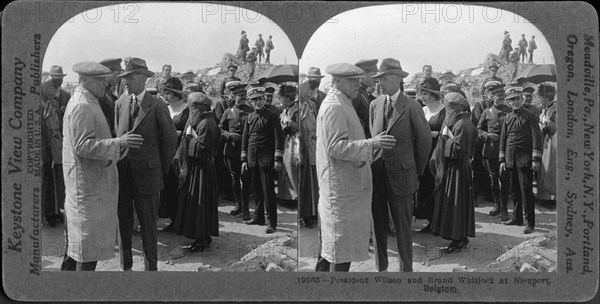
{"x": 124, "y": 151}
{"x": 380, "y": 160}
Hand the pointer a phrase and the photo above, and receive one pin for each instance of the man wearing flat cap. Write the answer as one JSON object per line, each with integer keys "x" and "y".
{"x": 396, "y": 171}
{"x": 262, "y": 154}
{"x": 362, "y": 102}
{"x": 107, "y": 102}
{"x": 232, "y": 128}
{"x": 141, "y": 171}
{"x": 520, "y": 155}
{"x": 90, "y": 156}
{"x": 54, "y": 101}
{"x": 309, "y": 90}
{"x": 343, "y": 160}
{"x": 489, "y": 128}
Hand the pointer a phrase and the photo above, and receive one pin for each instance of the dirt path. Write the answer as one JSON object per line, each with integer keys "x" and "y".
{"x": 492, "y": 239}
{"x": 235, "y": 240}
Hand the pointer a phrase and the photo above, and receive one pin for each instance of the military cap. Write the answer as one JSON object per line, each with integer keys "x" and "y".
{"x": 188, "y": 73}
{"x": 236, "y": 87}
{"x": 514, "y": 92}
{"x": 390, "y": 66}
{"x": 269, "y": 91}
{"x": 528, "y": 90}
{"x": 90, "y": 68}
{"x": 344, "y": 70}
{"x": 232, "y": 67}
{"x": 447, "y": 73}
{"x": 494, "y": 86}
{"x": 256, "y": 92}
{"x": 243, "y": 32}
{"x": 494, "y": 66}
{"x": 112, "y": 63}
{"x": 368, "y": 65}
{"x": 505, "y": 32}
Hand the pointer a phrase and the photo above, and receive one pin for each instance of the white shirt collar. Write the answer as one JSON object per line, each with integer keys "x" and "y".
{"x": 140, "y": 97}
{"x": 395, "y": 96}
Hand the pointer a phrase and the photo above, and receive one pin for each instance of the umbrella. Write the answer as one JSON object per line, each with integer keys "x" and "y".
{"x": 282, "y": 73}
{"x": 539, "y": 73}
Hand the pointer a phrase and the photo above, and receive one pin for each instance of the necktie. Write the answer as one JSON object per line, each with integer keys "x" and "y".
{"x": 135, "y": 109}
{"x": 389, "y": 111}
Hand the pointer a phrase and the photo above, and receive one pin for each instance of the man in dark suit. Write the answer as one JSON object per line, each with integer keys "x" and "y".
{"x": 141, "y": 170}
{"x": 396, "y": 171}
{"x": 262, "y": 154}
{"x": 520, "y": 155}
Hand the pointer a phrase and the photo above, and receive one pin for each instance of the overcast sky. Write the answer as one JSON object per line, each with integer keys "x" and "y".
{"x": 184, "y": 35}
{"x": 461, "y": 38}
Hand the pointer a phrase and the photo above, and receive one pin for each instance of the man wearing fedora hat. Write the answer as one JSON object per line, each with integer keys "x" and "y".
{"x": 54, "y": 101}
{"x": 187, "y": 77}
{"x": 90, "y": 155}
{"x": 520, "y": 155}
{"x": 343, "y": 158}
{"x": 107, "y": 102}
{"x": 309, "y": 90}
{"x": 446, "y": 77}
{"x": 396, "y": 171}
{"x": 362, "y": 102}
{"x": 141, "y": 170}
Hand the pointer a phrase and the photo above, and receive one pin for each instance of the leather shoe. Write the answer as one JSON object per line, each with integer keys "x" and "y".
{"x": 495, "y": 212}
{"x": 169, "y": 228}
{"x": 237, "y": 210}
{"x": 427, "y": 229}
{"x": 270, "y": 230}
{"x": 513, "y": 223}
{"x": 254, "y": 222}
{"x": 528, "y": 230}
{"x": 246, "y": 216}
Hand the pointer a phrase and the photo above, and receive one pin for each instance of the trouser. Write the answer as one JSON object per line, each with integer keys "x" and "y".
{"x": 523, "y": 56}
{"x": 325, "y": 266}
{"x": 268, "y": 59}
{"x": 498, "y": 183}
{"x": 263, "y": 182}
{"x": 260, "y": 56}
{"x": 53, "y": 189}
{"x": 240, "y": 183}
{"x": 401, "y": 209}
{"x": 522, "y": 193}
{"x": 146, "y": 208}
{"x": 530, "y": 56}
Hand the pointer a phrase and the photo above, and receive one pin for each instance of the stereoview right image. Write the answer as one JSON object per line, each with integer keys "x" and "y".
{"x": 428, "y": 143}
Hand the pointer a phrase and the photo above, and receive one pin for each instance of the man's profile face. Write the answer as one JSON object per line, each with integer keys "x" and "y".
{"x": 348, "y": 86}
{"x": 135, "y": 83}
{"x": 367, "y": 80}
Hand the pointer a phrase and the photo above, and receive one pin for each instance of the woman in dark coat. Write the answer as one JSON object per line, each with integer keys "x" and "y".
{"x": 454, "y": 212}
{"x": 434, "y": 111}
{"x": 172, "y": 93}
{"x": 197, "y": 216}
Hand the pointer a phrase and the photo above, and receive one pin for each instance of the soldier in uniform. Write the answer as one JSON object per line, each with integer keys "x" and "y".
{"x": 527, "y": 103}
{"x": 269, "y": 101}
{"x": 362, "y": 102}
{"x": 520, "y": 154}
{"x": 262, "y": 154}
{"x": 489, "y": 129}
{"x": 243, "y": 48}
{"x": 223, "y": 105}
{"x": 232, "y": 128}
{"x": 523, "y": 48}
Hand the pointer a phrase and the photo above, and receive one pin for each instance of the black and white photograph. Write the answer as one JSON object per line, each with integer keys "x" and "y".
{"x": 314, "y": 151}
{"x": 162, "y": 145}
{"x": 435, "y": 146}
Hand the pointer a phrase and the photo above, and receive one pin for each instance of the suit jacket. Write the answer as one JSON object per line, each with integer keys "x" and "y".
{"x": 262, "y": 139}
{"x": 410, "y": 155}
{"x": 154, "y": 157}
{"x": 520, "y": 139}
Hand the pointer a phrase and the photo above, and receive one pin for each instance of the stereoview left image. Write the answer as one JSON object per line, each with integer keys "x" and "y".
{"x": 162, "y": 143}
